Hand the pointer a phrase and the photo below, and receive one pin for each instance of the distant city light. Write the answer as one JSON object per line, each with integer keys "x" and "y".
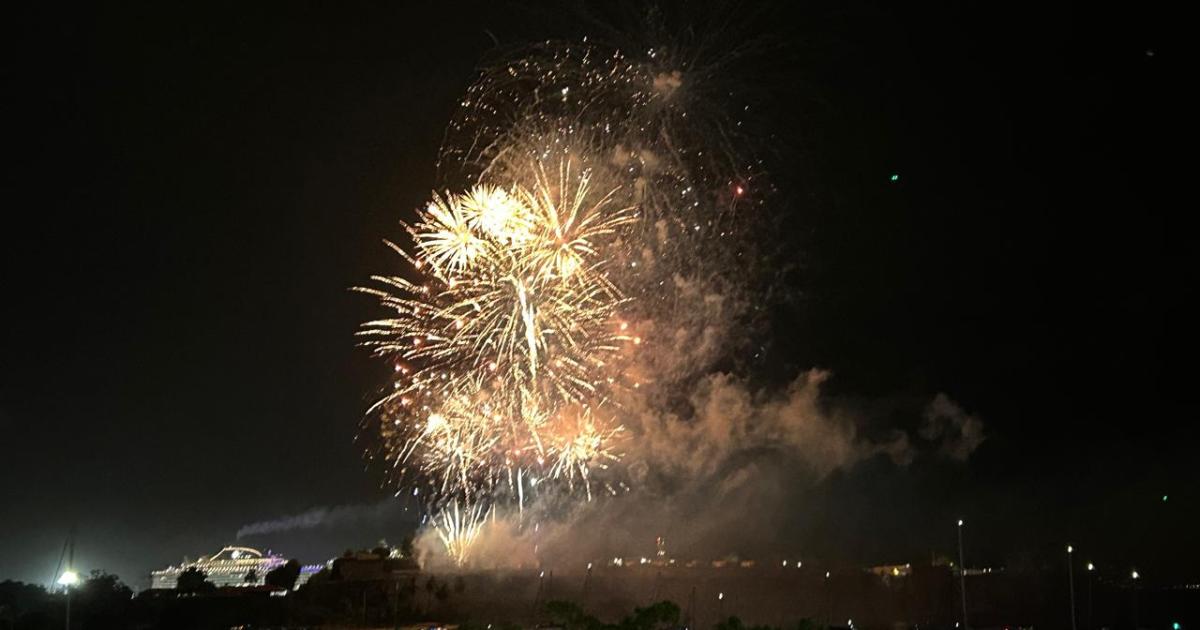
{"x": 1164, "y": 498}
{"x": 1091, "y": 567}
{"x": 68, "y": 578}
{"x": 895, "y": 177}
{"x": 720, "y": 595}
{"x": 960, "y": 522}
{"x": 1135, "y": 575}
{"x": 1070, "y": 549}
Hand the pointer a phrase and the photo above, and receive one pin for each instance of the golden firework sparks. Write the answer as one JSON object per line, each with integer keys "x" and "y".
{"x": 458, "y": 527}
{"x": 513, "y": 320}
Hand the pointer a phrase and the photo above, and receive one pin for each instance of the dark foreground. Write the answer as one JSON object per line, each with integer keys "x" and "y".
{"x": 617, "y": 598}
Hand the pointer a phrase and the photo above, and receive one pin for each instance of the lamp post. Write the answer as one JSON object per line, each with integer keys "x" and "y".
{"x": 587, "y": 577}
{"x": 962, "y": 576}
{"x": 1091, "y": 569}
{"x": 828, "y": 599}
{"x": 1135, "y": 576}
{"x": 1071, "y": 581}
{"x": 68, "y": 579}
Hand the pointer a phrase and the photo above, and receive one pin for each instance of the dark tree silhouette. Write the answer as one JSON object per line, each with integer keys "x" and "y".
{"x": 192, "y": 580}
{"x": 570, "y": 616}
{"x": 103, "y": 601}
{"x": 663, "y": 614}
{"x": 735, "y": 623}
{"x": 104, "y": 586}
{"x": 284, "y": 576}
{"x": 18, "y": 599}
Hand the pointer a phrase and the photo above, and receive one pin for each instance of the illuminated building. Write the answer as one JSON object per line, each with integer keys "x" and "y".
{"x": 891, "y": 570}
{"x": 231, "y": 566}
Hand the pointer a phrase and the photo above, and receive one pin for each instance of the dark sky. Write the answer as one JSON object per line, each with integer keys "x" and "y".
{"x": 191, "y": 191}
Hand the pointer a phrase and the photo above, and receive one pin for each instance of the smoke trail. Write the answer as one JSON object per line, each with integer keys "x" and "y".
{"x": 323, "y": 516}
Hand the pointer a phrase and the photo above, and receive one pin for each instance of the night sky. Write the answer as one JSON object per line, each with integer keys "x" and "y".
{"x": 190, "y": 193}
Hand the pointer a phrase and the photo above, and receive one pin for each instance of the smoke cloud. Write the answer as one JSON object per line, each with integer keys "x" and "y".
{"x": 722, "y": 481}
{"x": 958, "y": 432}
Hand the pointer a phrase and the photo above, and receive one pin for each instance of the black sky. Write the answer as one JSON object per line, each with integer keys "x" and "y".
{"x": 191, "y": 191}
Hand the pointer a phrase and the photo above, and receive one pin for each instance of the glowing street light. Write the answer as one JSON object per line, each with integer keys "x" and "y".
{"x": 1091, "y": 569}
{"x": 1134, "y": 591}
{"x": 1071, "y": 579}
{"x": 962, "y": 576}
{"x": 68, "y": 579}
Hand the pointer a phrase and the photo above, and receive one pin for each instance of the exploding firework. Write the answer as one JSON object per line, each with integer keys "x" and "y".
{"x": 502, "y": 347}
{"x": 596, "y": 195}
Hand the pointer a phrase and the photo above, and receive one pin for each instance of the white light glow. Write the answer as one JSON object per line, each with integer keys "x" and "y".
{"x": 68, "y": 578}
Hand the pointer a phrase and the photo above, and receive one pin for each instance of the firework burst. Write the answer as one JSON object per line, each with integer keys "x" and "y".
{"x": 590, "y": 196}
{"x": 513, "y": 319}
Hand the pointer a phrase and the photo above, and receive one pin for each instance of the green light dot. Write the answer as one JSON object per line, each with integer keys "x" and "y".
{"x": 1164, "y": 498}
{"x": 895, "y": 177}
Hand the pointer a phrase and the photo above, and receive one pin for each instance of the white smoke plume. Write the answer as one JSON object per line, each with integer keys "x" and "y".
{"x": 323, "y": 516}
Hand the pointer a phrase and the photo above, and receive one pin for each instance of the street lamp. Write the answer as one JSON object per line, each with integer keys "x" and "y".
{"x": 68, "y": 579}
{"x": 1091, "y": 569}
{"x": 828, "y": 600}
{"x": 1071, "y": 581}
{"x": 1136, "y": 576}
{"x": 962, "y": 575}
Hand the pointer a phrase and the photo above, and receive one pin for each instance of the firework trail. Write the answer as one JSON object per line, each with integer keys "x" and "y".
{"x": 457, "y": 527}
{"x": 584, "y": 192}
